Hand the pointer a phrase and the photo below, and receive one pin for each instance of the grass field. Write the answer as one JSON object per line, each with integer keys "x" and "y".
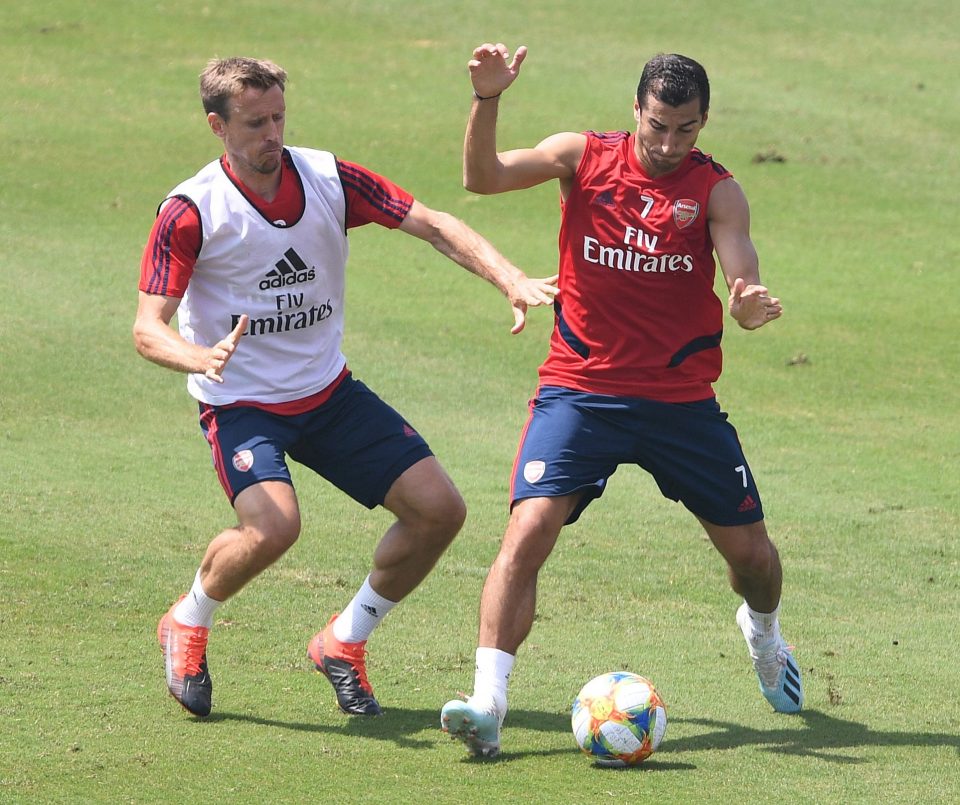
{"x": 839, "y": 121}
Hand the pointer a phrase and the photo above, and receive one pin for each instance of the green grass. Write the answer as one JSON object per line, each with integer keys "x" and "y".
{"x": 107, "y": 499}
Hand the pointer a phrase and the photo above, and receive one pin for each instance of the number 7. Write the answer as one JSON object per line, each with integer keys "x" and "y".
{"x": 743, "y": 471}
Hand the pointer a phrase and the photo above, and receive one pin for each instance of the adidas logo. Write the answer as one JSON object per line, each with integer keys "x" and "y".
{"x": 791, "y": 682}
{"x": 605, "y": 198}
{"x": 289, "y": 271}
{"x": 748, "y": 504}
{"x": 369, "y": 609}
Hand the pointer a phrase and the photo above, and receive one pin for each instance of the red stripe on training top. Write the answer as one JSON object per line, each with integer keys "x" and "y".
{"x": 294, "y": 407}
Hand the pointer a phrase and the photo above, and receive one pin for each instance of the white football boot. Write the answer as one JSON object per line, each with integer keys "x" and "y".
{"x": 478, "y": 729}
{"x": 776, "y": 669}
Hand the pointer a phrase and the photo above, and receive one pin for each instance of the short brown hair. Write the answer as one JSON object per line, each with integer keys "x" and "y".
{"x": 223, "y": 79}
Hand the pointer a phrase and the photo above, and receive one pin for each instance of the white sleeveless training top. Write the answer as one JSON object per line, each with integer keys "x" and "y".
{"x": 288, "y": 277}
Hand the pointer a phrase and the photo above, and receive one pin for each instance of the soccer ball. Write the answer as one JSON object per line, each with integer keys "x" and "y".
{"x": 618, "y": 719}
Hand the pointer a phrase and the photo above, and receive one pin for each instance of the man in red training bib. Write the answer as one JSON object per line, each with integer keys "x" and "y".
{"x": 633, "y": 355}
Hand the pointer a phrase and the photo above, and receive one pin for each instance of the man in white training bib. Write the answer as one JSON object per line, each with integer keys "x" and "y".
{"x": 250, "y": 254}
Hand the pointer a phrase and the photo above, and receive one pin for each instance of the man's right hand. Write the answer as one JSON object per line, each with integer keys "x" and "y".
{"x": 489, "y": 70}
{"x": 221, "y": 352}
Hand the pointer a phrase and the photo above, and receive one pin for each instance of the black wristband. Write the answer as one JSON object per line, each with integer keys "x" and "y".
{"x": 486, "y": 97}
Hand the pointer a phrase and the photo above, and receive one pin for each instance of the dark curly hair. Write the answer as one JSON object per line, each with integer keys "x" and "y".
{"x": 674, "y": 80}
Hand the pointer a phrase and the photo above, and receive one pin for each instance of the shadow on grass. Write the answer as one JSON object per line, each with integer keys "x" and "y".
{"x": 400, "y": 726}
{"x": 819, "y": 736}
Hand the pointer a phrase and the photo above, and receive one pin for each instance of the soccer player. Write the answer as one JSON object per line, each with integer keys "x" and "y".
{"x": 634, "y": 352}
{"x": 250, "y": 254}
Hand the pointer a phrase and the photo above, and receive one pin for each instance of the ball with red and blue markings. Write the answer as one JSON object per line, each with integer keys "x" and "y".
{"x": 618, "y": 719}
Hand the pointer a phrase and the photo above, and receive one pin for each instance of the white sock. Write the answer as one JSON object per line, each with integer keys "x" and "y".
{"x": 763, "y": 628}
{"x": 197, "y": 608}
{"x": 491, "y": 678}
{"x": 362, "y": 615}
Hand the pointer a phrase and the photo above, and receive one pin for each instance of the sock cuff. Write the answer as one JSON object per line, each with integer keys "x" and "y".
{"x": 373, "y": 598}
{"x": 362, "y": 615}
{"x": 764, "y": 621}
{"x": 490, "y": 681}
{"x": 496, "y": 663}
{"x": 197, "y": 608}
{"x": 761, "y": 628}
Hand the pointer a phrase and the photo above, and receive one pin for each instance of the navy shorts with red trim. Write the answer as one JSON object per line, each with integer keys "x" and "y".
{"x": 354, "y": 440}
{"x": 574, "y": 441}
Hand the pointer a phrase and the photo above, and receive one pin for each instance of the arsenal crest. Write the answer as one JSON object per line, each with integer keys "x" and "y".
{"x": 533, "y": 471}
{"x": 243, "y": 461}
{"x": 685, "y": 212}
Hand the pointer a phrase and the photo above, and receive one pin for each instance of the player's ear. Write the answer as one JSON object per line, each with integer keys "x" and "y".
{"x": 216, "y": 124}
{"x": 636, "y": 110}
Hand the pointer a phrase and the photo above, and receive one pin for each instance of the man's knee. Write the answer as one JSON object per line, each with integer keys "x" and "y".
{"x": 453, "y": 512}
{"x": 747, "y": 549}
{"x": 532, "y": 533}
{"x": 272, "y": 532}
{"x": 274, "y": 537}
{"x": 756, "y": 558}
{"x": 269, "y": 518}
{"x": 425, "y": 501}
{"x": 443, "y": 515}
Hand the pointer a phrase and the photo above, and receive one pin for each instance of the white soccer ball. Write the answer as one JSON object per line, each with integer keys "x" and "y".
{"x": 618, "y": 719}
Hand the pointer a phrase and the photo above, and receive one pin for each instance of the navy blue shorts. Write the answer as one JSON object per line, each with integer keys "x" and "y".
{"x": 574, "y": 442}
{"x": 354, "y": 440}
